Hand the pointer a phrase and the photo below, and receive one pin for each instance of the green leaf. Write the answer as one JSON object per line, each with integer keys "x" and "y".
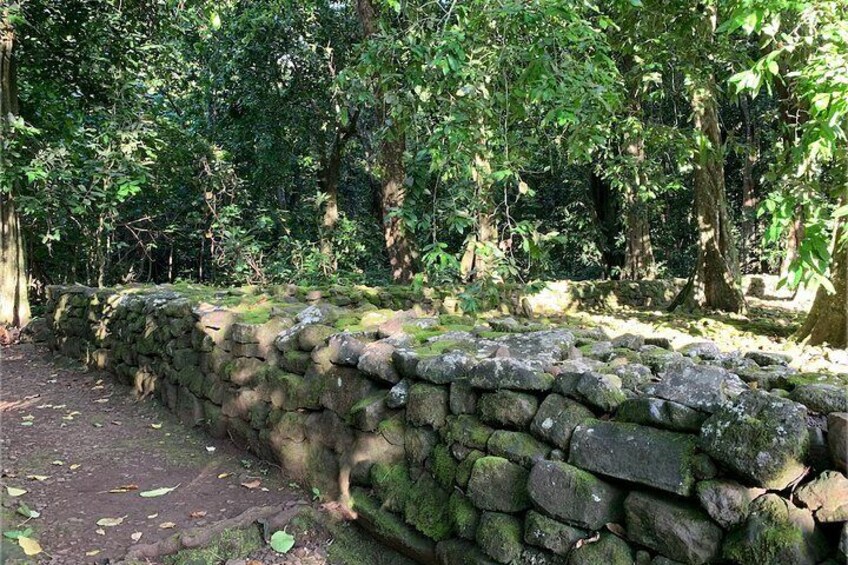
{"x": 15, "y": 491}
{"x": 15, "y": 534}
{"x": 157, "y": 492}
{"x": 281, "y": 541}
{"x": 27, "y": 512}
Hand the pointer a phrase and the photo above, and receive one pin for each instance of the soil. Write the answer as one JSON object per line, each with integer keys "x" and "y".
{"x": 69, "y": 436}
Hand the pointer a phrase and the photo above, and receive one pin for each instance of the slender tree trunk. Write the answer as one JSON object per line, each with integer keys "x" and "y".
{"x": 478, "y": 260}
{"x": 607, "y": 218}
{"x": 749, "y": 256}
{"x": 331, "y": 169}
{"x": 716, "y": 282}
{"x": 393, "y": 194}
{"x": 639, "y": 253}
{"x": 14, "y": 297}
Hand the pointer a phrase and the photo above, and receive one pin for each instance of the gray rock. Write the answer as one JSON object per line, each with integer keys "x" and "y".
{"x": 345, "y": 349}
{"x": 703, "y": 349}
{"x": 600, "y": 350}
{"x": 406, "y": 362}
{"x": 837, "y": 439}
{"x": 463, "y": 398}
{"x": 599, "y": 390}
{"x": 499, "y": 485}
{"x": 518, "y": 447}
{"x": 461, "y": 552}
{"x": 609, "y": 549}
{"x": 776, "y": 533}
{"x": 699, "y": 387}
{"x": 427, "y": 405}
{"x": 678, "y": 530}
{"x": 444, "y": 368}
{"x": 629, "y": 341}
{"x": 639, "y": 454}
{"x": 765, "y": 358}
{"x": 375, "y": 360}
{"x": 398, "y": 394}
{"x": 661, "y": 359}
{"x": 657, "y": 341}
{"x": 468, "y": 431}
{"x": 632, "y": 375}
{"x": 556, "y": 419}
{"x": 549, "y": 534}
{"x": 660, "y": 413}
{"x": 574, "y": 496}
{"x": 727, "y": 502}
{"x": 760, "y": 437}
{"x": 827, "y": 496}
{"x": 822, "y": 398}
{"x": 419, "y": 443}
{"x": 509, "y": 373}
{"x": 541, "y": 349}
{"x": 506, "y": 408}
{"x": 320, "y": 313}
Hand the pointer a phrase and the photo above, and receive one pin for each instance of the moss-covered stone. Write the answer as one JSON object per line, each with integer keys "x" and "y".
{"x": 427, "y": 509}
{"x": 518, "y": 447}
{"x": 389, "y": 529}
{"x": 463, "y": 470}
{"x": 498, "y": 484}
{"x": 427, "y": 405}
{"x": 547, "y": 533}
{"x": 464, "y": 516}
{"x": 443, "y": 466}
{"x": 506, "y": 408}
{"x": 609, "y": 549}
{"x": 419, "y": 443}
{"x": 468, "y": 431}
{"x": 392, "y": 485}
{"x": 499, "y": 536}
{"x": 776, "y": 532}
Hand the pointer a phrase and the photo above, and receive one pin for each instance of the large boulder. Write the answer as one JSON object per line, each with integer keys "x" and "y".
{"x": 639, "y": 454}
{"x": 499, "y": 536}
{"x": 574, "y": 496}
{"x": 444, "y": 368}
{"x": 760, "y": 437}
{"x": 518, "y": 447}
{"x": 427, "y": 405}
{"x": 675, "y": 529}
{"x": 700, "y": 387}
{"x": 822, "y": 397}
{"x": 375, "y": 360}
{"x": 776, "y": 533}
{"x": 827, "y": 496}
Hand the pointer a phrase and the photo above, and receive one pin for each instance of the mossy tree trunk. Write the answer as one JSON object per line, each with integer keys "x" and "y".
{"x": 331, "y": 170}
{"x": 399, "y": 247}
{"x": 716, "y": 281}
{"x": 14, "y": 300}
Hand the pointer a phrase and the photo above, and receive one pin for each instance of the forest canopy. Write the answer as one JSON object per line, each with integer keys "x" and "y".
{"x": 443, "y": 142}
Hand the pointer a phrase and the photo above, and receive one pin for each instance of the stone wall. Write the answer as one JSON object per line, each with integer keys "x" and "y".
{"x": 506, "y": 440}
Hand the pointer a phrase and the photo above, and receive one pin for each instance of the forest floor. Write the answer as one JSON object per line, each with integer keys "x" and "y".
{"x": 84, "y": 450}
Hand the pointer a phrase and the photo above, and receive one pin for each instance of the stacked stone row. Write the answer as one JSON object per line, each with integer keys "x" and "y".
{"x": 545, "y": 447}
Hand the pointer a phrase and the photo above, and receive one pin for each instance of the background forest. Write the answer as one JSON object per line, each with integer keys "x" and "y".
{"x": 433, "y": 142}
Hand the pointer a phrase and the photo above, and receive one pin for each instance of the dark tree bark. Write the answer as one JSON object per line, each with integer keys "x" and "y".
{"x": 399, "y": 248}
{"x": 827, "y": 321}
{"x": 749, "y": 256}
{"x": 639, "y": 253}
{"x": 607, "y": 218}
{"x": 716, "y": 281}
{"x": 14, "y": 299}
{"x": 793, "y": 241}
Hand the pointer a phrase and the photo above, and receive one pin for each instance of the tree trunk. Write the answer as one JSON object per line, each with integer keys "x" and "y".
{"x": 749, "y": 256}
{"x": 639, "y": 254}
{"x": 331, "y": 169}
{"x": 478, "y": 260}
{"x": 393, "y": 174}
{"x": 827, "y": 321}
{"x": 715, "y": 284}
{"x": 793, "y": 241}
{"x": 14, "y": 298}
{"x": 607, "y": 218}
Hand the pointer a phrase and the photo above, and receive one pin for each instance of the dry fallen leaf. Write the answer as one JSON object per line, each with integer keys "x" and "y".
{"x": 198, "y": 514}
{"x": 37, "y": 477}
{"x": 92, "y": 553}
{"x": 75, "y": 466}
{"x": 124, "y": 488}
{"x": 29, "y": 545}
{"x": 150, "y": 517}
{"x": 252, "y": 484}
{"x": 101, "y": 400}
{"x": 110, "y": 522}
{"x": 57, "y": 462}
{"x": 15, "y": 491}
{"x": 167, "y": 525}
{"x": 100, "y": 532}
{"x": 136, "y": 536}
{"x": 224, "y": 475}
{"x": 156, "y": 426}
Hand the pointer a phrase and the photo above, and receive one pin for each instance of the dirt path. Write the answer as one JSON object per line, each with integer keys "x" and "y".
{"x": 70, "y": 436}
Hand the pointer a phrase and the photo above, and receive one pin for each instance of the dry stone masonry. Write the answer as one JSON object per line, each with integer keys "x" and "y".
{"x": 500, "y": 441}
